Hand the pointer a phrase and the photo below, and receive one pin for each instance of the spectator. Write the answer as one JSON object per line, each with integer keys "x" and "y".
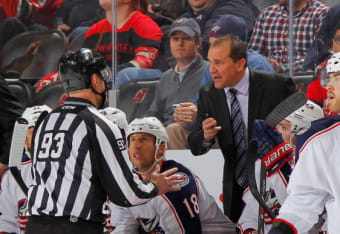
{"x": 181, "y": 83}
{"x": 191, "y": 210}
{"x": 315, "y": 91}
{"x": 206, "y": 12}
{"x": 68, "y": 18}
{"x": 227, "y": 24}
{"x": 168, "y": 8}
{"x": 138, "y": 36}
{"x": 319, "y": 51}
{"x": 31, "y": 11}
{"x": 9, "y": 28}
{"x": 229, "y": 105}
{"x": 270, "y": 34}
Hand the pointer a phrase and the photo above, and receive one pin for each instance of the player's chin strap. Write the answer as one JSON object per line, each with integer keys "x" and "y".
{"x": 102, "y": 94}
{"x": 157, "y": 160}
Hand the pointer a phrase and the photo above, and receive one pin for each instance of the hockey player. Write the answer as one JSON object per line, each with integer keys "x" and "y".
{"x": 190, "y": 210}
{"x": 314, "y": 184}
{"x": 277, "y": 171}
{"x": 13, "y": 201}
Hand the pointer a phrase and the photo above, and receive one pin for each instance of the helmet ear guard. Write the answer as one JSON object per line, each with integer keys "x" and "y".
{"x": 76, "y": 68}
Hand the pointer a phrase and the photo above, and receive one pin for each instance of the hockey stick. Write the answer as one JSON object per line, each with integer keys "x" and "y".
{"x": 16, "y": 151}
{"x": 285, "y": 108}
{"x": 263, "y": 181}
{"x": 251, "y": 158}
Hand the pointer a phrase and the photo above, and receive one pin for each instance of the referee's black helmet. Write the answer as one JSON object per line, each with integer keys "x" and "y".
{"x": 76, "y": 68}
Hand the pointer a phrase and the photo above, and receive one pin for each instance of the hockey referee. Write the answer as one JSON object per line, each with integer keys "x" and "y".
{"x": 80, "y": 159}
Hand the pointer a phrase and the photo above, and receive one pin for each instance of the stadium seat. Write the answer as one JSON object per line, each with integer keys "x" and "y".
{"x": 22, "y": 90}
{"x": 50, "y": 95}
{"x": 34, "y": 54}
{"x": 136, "y": 96}
{"x": 77, "y": 42}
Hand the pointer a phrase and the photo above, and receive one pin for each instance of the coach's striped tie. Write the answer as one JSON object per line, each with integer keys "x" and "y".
{"x": 239, "y": 139}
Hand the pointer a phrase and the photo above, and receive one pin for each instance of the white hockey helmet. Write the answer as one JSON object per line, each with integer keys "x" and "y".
{"x": 152, "y": 126}
{"x": 149, "y": 125}
{"x": 302, "y": 117}
{"x": 116, "y": 116}
{"x": 32, "y": 114}
{"x": 333, "y": 66}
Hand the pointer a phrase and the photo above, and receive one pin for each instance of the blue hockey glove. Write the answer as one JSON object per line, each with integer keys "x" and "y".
{"x": 272, "y": 150}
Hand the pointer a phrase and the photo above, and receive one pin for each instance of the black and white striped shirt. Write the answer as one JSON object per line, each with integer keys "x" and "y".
{"x": 80, "y": 158}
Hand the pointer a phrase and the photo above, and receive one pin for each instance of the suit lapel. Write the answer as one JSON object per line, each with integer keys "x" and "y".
{"x": 255, "y": 99}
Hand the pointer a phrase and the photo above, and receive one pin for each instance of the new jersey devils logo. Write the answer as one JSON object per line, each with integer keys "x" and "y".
{"x": 140, "y": 95}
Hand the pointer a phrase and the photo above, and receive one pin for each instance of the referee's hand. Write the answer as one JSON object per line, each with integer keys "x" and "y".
{"x": 167, "y": 180}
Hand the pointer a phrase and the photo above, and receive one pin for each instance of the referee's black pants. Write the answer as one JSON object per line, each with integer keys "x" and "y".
{"x": 61, "y": 225}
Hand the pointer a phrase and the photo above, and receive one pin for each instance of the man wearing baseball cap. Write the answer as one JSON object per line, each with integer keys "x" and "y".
{"x": 180, "y": 84}
{"x": 226, "y": 24}
{"x": 234, "y": 25}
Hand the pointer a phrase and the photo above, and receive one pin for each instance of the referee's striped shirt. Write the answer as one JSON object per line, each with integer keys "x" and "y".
{"x": 72, "y": 176}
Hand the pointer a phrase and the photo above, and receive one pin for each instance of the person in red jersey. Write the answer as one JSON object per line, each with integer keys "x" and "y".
{"x": 138, "y": 40}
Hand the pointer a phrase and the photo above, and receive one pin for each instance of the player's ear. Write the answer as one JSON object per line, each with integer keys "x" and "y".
{"x": 161, "y": 150}
{"x": 97, "y": 82}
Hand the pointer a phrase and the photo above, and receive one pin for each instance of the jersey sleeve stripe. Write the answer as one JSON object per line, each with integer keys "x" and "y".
{"x": 174, "y": 213}
{"x": 317, "y": 134}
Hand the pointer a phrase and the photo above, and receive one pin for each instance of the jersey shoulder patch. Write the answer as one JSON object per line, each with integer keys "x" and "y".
{"x": 184, "y": 183}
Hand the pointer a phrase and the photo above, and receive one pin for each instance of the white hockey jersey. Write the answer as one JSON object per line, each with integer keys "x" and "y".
{"x": 314, "y": 183}
{"x": 275, "y": 195}
{"x": 13, "y": 201}
{"x": 190, "y": 210}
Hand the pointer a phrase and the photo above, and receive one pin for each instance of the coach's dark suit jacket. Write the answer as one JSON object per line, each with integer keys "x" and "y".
{"x": 266, "y": 90}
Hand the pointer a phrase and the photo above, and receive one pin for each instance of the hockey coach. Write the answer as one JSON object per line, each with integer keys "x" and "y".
{"x": 80, "y": 159}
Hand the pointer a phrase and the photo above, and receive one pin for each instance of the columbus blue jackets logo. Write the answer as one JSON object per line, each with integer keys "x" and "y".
{"x": 22, "y": 207}
{"x": 185, "y": 182}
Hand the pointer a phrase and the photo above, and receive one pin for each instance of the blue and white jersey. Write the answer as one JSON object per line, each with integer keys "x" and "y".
{"x": 314, "y": 183}
{"x": 13, "y": 201}
{"x": 190, "y": 210}
{"x": 275, "y": 194}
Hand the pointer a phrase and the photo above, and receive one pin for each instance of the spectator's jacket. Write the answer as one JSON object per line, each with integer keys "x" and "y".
{"x": 270, "y": 35}
{"x": 40, "y": 12}
{"x": 171, "y": 91}
{"x": 139, "y": 40}
{"x": 68, "y": 13}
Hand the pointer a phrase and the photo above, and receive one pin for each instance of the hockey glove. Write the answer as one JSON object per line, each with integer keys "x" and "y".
{"x": 272, "y": 150}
